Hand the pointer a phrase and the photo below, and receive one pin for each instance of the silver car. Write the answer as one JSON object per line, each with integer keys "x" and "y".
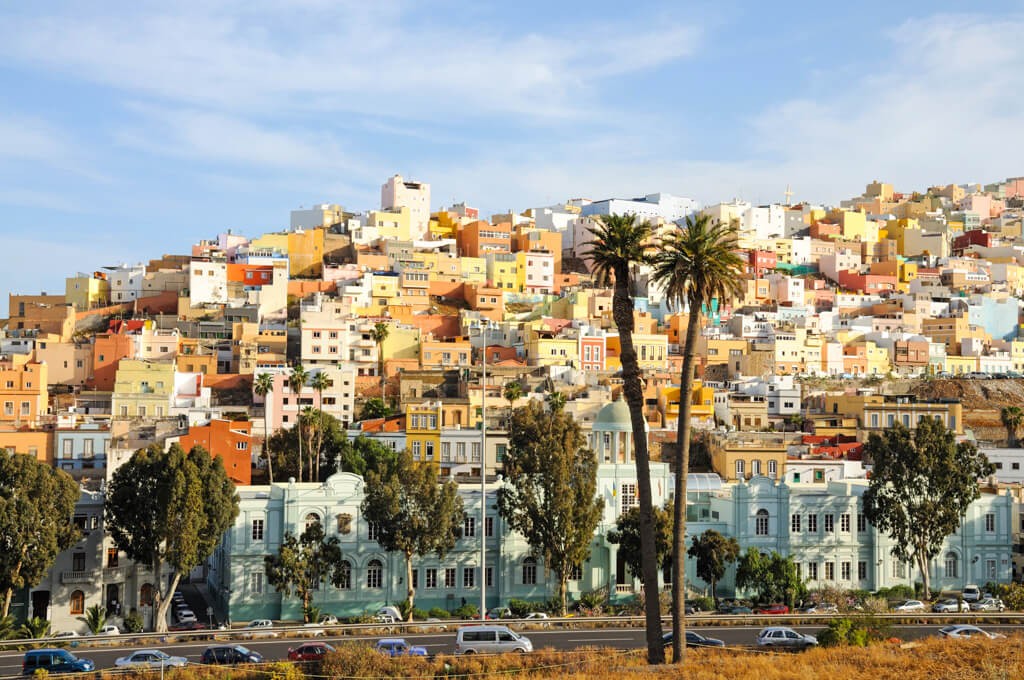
{"x": 781, "y": 636}
{"x": 490, "y": 640}
{"x": 150, "y": 658}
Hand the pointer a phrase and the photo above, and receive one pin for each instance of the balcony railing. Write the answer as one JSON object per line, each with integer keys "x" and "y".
{"x": 114, "y": 574}
{"x": 77, "y": 577}
{"x": 623, "y": 588}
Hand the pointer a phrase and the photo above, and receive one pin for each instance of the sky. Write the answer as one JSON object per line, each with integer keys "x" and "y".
{"x": 133, "y": 129}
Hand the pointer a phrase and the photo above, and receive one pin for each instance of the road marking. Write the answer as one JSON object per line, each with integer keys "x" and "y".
{"x": 628, "y": 639}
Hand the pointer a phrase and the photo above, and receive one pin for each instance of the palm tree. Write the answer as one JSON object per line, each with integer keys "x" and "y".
{"x": 1011, "y": 417}
{"x": 556, "y": 400}
{"x": 296, "y": 381}
{"x": 379, "y": 334}
{"x": 620, "y": 242}
{"x": 319, "y": 383}
{"x": 34, "y": 628}
{"x": 264, "y": 386}
{"x": 513, "y": 392}
{"x": 95, "y": 618}
{"x": 695, "y": 265}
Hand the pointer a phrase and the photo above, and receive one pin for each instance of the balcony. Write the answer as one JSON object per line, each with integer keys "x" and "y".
{"x": 114, "y": 574}
{"x": 77, "y": 577}
{"x": 623, "y": 589}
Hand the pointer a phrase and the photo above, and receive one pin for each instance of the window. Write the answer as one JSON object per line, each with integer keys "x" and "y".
{"x": 755, "y": 468}
{"x": 78, "y": 561}
{"x": 77, "y": 602}
{"x": 468, "y": 527}
{"x": 952, "y": 564}
{"x": 499, "y": 451}
{"x": 844, "y": 522}
{"x": 773, "y": 468}
{"x": 430, "y": 450}
{"x": 26, "y": 408}
{"x": 8, "y": 408}
{"x": 475, "y": 455}
{"x": 830, "y": 571}
{"x": 812, "y": 524}
{"x": 490, "y": 577}
{"x": 374, "y": 574}
{"x": 449, "y": 577}
{"x": 241, "y": 446}
{"x": 257, "y": 530}
{"x": 794, "y": 524}
{"x": 575, "y": 573}
{"x": 489, "y": 527}
{"x": 899, "y": 569}
{"x": 862, "y": 522}
{"x": 812, "y": 571}
{"x": 844, "y": 571}
{"x": 311, "y": 519}
{"x": 830, "y": 523}
{"x": 628, "y": 496}
{"x": 529, "y": 572}
{"x": 990, "y": 569}
{"x": 469, "y": 577}
{"x": 111, "y": 558}
{"x": 446, "y": 452}
{"x": 862, "y": 570}
{"x": 430, "y": 577}
{"x": 66, "y": 452}
{"x": 372, "y": 531}
{"x": 990, "y": 522}
{"x": 256, "y": 583}
{"x": 87, "y": 452}
{"x": 761, "y": 523}
{"x": 740, "y": 467}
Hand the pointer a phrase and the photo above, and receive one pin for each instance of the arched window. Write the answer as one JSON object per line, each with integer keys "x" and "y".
{"x": 529, "y": 572}
{"x": 755, "y": 468}
{"x": 311, "y": 519}
{"x": 146, "y": 595}
{"x": 761, "y": 522}
{"x": 375, "y": 574}
{"x": 952, "y": 565}
{"x": 346, "y": 575}
{"x": 78, "y": 602}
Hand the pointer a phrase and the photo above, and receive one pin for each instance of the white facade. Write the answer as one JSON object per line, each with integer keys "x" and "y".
{"x": 207, "y": 282}
{"x": 126, "y": 282}
{"x": 398, "y": 193}
{"x": 322, "y": 215}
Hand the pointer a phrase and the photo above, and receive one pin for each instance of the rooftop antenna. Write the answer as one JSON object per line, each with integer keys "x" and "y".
{"x": 789, "y": 195}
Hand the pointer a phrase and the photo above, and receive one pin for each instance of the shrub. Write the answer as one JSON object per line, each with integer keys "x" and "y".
{"x": 521, "y": 608}
{"x": 133, "y": 622}
{"x": 898, "y": 592}
{"x": 594, "y": 599}
{"x": 438, "y": 613}
{"x": 362, "y": 661}
{"x": 852, "y": 632}
{"x": 419, "y": 614}
{"x": 467, "y": 611}
{"x": 703, "y": 604}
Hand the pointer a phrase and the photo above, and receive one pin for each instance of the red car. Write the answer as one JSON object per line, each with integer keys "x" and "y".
{"x": 310, "y": 651}
{"x": 188, "y": 625}
{"x": 773, "y": 609}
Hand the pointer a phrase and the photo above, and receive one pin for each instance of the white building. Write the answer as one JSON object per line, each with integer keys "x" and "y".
{"x": 126, "y": 282}
{"x": 208, "y": 282}
{"x": 322, "y": 215}
{"x": 398, "y": 193}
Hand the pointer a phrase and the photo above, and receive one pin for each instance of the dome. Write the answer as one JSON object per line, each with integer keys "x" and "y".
{"x": 613, "y": 417}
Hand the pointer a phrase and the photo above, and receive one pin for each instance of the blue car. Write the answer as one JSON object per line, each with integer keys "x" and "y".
{"x": 399, "y": 647}
{"x": 54, "y": 661}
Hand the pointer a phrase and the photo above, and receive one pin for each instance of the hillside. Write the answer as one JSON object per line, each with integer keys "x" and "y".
{"x": 981, "y": 399}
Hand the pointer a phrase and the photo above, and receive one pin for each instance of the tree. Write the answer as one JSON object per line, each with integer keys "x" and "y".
{"x": 319, "y": 383}
{"x": 296, "y": 381}
{"x": 169, "y": 508}
{"x": 34, "y": 628}
{"x": 1011, "y": 417}
{"x": 922, "y": 483}
{"x": 512, "y": 392}
{"x": 263, "y": 386}
{"x": 379, "y": 333}
{"x": 414, "y": 513}
{"x": 37, "y": 503}
{"x": 695, "y": 266}
{"x": 713, "y": 553}
{"x": 555, "y": 400}
{"x": 95, "y": 618}
{"x": 303, "y": 564}
{"x": 772, "y": 577}
{"x": 627, "y": 535}
{"x": 363, "y": 454}
{"x": 620, "y": 242}
{"x": 375, "y": 407}
{"x": 550, "y": 493}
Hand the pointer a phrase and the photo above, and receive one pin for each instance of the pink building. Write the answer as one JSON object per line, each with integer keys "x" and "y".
{"x": 593, "y": 352}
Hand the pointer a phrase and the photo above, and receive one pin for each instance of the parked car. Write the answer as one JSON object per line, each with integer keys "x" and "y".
{"x": 54, "y": 661}
{"x": 150, "y": 658}
{"x": 309, "y": 651}
{"x": 109, "y": 629}
{"x": 909, "y": 606}
{"x": 781, "y": 636}
{"x": 187, "y": 625}
{"x": 965, "y": 632}
{"x": 773, "y": 609}
{"x": 971, "y": 593}
{"x": 739, "y": 609}
{"x": 66, "y": 634}
{"x": 490, "y": 640}
{"x": 951, "y": 605}
{"x": 259, "y": 628}
{"x": 500, "y": 613}
{"x": 821, "y": 608}
{"x": 988, "y": 604}
{"x": 185, "y": 616}
{"x": 398, "y": 647}
{"x": 229, "y": 655}
{"x": 384, "y": 618}
{"x": 536, "y": 616}
{"x": 693, "y": 640}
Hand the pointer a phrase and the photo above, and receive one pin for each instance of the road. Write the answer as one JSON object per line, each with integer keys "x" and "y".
{"x": 443, "y": 642}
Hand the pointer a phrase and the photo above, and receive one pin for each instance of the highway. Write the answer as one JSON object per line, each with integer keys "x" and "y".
{"x": 622, "y": 638}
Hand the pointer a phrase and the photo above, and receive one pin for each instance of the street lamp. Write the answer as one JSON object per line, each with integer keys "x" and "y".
{"x": 483, "y": 474}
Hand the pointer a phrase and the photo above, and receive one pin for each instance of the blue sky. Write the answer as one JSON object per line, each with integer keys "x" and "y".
{"x": 129, "y": 130}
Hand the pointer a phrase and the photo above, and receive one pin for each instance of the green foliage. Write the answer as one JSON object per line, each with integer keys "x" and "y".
{"x": 703, "y": 604}
{"x": 8, "y": 627}
{"x": 921, "y": 486}
{"x": 95, "y": 618}
{"x": 37, "y": 503}
{"x": 594, "y": 599}
{"x": 1012, "y": 595}
{"x": 415, "y": 514}
{"x": 34, "y": 628}
{"x": 858, "y": 631}
{"x": 900, "y": 591}
{"x": 420, "y": 614}
{"x": 302, "y": 565}
{"x": 627, "y": 535}
{"x": 1011, "y": 418}
{"x": 170, "y": 508}
{"x": 375, "y": 407}
{"x": 438, "y": 613}
{"x": 133, "y": 622}
{"x": 713, "y": 552}
{"x": 521, "y": 608}
{"x": 771, "y": 576}
{"x": 467, "y": 611}
{"x": 550, "y": 495}
{"x": 555, "y": 401}
{"x": 262, "y": 386}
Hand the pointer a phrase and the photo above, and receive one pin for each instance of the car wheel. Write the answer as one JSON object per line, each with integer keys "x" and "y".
{"x": 468, "y": 652}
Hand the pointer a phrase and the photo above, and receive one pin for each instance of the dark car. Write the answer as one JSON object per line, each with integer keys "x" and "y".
{"x": 399, "y": 647}
{"x": 310, "y": 651}
{"x": 54, "y": 661}
{"x": 773, "y": 609}
{"x": 189, "y": 625}
{"x": 229, "y": 655}
{"x": 693, "y": 640}
{"x": 736, "y": 610}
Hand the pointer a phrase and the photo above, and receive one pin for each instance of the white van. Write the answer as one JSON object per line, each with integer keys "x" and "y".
{"x": 490, "y": 640}
{"x": 971, "y": 593}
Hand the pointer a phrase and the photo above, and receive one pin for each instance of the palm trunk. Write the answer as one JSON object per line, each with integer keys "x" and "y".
{"x": 7, "y": 601}
{"x": 298, "y": 425}
{"x": 266, "y": 444}
{"x": 622, "y": 312}
{"x": 410, "y": 592}
{"x": 682, "y": 468}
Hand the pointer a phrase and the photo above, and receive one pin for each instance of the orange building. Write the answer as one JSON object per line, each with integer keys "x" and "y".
{"x": 526, "y": 239}
{"x": 487, "y": 300}
{"x": 24, "y": 397}
{"x": 107, "y": 352}
{"x": 445, "y": 353}
{"x": 229, "y": 439}
{"x": 35, "y": 443}
{"x": 476, "y": 239}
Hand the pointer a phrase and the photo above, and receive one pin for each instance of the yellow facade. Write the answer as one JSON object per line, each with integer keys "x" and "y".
{"x": 879, "y": 362}
{"x": 702, "y": 402}
{"x": 423, "y": 431}
{"x": 391, "y": 224}
{"x": 385, "y": 290}
{"x": 142, "y": 389}
{"x": 504, "y": 273}
{"x": 744, "y": 455}
{"x": 306, "y": 253}
{"x": 445, "y": 353}
{"x": 575, "y": 305}
{"x": 474, "y": 269}
{"x": 544, "y": 350}
{"x": 651, "y": 351}
{"x": 958, "y": 365}
{"x": 271, "y": 242}
{"x": 86, "y": 292}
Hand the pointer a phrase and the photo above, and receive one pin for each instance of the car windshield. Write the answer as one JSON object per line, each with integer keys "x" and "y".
{"x": 242, "y": 650}
{"x": 160, "y": 655}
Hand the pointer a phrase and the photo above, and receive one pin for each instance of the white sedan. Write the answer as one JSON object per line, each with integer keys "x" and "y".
{"x": 909, "y": 606}
{"x": 150, "y": 658}
{"x": 967, "y": 632}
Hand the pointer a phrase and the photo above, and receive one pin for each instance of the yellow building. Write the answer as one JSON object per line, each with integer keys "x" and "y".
{"x": 702, "y": 403}
{"x": 85, "y": 292}
{"x": 142, "y": 389}
{"x": 877, "y": 412}
{"x": 547, "y": 348}
{"x": 503, "y": 271}
{"x": 575, "y": 305}
{"x": 423, "y": 431}
{"x": 854, "y": 225}
{"x": 879, "y": 361}
{"x": 960, "y": 365}
{"x": 35, "y": 443}
{"x": 385, "y": 290}
{"x": 306, "y": 253}
{"x": 742, "y": 455}
{"x": 651, "y": 351}
{"x": 473, "y": 269}
{"x": 391, "y": 225}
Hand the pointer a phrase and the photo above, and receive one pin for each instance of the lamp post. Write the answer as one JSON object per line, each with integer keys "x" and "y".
{"x": 483, "y": 477}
